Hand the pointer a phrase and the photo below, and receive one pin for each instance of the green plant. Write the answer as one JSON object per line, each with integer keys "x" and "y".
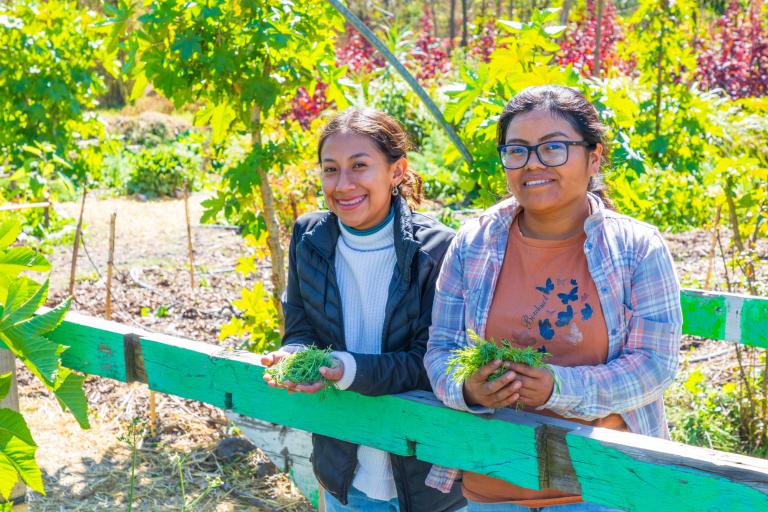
{"x": 258, "y": 321}
{"x": 132, "y": 435}
{"x": 162, "y": 171}
{"x": 24, "y": 334}
{"x": 49, "y": 53}
{"x": 302, "y": 367}
{"x": 470, "y": 359}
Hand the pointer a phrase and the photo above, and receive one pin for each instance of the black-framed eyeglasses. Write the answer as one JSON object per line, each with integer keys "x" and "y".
{"x": 551, "y": 153}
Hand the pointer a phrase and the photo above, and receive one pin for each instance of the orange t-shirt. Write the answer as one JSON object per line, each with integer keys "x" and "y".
{"x": 545, "y": 298}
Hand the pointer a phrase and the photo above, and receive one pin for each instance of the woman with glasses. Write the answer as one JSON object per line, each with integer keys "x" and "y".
{"x": 361, "y": 280}
{"x": 556, "y": 268}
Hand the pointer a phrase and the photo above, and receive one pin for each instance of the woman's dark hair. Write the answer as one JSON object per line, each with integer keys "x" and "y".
{"x": 570, "y": 105}
{"x": 388, "y": 135}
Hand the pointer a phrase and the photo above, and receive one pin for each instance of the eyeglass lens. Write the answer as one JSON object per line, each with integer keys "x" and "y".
{"x": 549, "y": 153}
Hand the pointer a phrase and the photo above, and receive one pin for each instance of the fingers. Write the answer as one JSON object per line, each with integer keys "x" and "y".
{"x": 308, "y": 388}
{"x": 335, "y": 373}
{"x": 524, "y": 369}
{"x": 506, "y": 396}
{"x": 486, "y": 371}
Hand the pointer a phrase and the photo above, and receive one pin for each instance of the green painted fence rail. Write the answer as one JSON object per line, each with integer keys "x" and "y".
{"x": 618, "y": 469}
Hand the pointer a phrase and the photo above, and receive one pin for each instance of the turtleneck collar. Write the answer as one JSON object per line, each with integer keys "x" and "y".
{"x": 377, "y": 237}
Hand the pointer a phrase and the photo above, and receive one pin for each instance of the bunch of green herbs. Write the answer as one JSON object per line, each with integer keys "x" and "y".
{"x": 302, "y": 367}
{"x": 468, "y": 360}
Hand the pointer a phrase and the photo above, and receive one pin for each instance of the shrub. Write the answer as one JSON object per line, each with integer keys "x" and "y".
{"x": 161, "y": 171}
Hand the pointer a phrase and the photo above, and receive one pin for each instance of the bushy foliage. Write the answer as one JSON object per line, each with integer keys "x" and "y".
{"x": 735, "y": 58}
{"x": 163, "y": 171}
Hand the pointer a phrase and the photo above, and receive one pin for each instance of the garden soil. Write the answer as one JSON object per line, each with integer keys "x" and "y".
{"x": 90, "y": 470}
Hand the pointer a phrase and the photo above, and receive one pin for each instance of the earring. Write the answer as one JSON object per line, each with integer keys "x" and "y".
{"x": 395, "y": 191}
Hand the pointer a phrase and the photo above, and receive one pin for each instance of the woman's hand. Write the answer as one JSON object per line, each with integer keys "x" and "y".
{"x": 333, "y": 374}
{"x": 536, "y": 384}
{"x": 502, "y": 392}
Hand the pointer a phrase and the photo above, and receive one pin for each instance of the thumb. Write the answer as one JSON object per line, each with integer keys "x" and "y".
{"x": 335, "y": 373}
{"x": 484, "y": 372}
{"x": 268, "y": 359}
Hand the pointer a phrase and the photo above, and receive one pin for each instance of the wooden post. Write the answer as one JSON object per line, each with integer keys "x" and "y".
{"x": 47, "y": 212}
{"x": 110, "y": 265}
{"x": 11, "y": 401}
{"x": 75, "y": 246}
{"x": 189, "y": 237}
{"x": 598, "y": 40}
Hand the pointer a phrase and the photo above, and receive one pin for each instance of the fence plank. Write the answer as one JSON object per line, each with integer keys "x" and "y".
{"x": 725, "y": 316}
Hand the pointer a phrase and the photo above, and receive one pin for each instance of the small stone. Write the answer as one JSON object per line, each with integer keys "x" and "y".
{"x": 233, "y": 447}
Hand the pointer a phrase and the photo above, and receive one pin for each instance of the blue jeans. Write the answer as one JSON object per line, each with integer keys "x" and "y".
{"x": 358, "y": 501}
{"x": 473, "y": 506}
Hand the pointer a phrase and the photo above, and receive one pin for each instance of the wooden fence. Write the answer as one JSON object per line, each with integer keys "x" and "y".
{"x": 618, "y": 469}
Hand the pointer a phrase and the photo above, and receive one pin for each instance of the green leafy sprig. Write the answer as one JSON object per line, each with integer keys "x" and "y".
{"x": 468, "y": 360}
{"x": 302, "y": 367}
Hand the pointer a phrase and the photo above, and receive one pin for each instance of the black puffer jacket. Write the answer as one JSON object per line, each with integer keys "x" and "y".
{"x": 313, "y": 315}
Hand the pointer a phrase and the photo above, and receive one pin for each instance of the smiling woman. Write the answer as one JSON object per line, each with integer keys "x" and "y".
{"x": 556, "y": 269}
{"x": 361, "y": 281}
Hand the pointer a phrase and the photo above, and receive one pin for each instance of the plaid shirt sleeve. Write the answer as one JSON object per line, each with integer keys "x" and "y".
{"x": 447, "y": 333}
{"x": 648, "y": 361}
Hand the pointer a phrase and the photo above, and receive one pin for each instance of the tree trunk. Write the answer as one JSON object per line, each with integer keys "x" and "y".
{"x": 452, "y": 23}
{"x": 498, "y": 8}
{"x": 434, "y": 18}
{"x": 464, "y": 23}
{"x": 270, "y": 218}
{"x": 511, "y": 9}
{"x": 598, "y": 36}
{"x": 565, "y": 11}
{"x": 659, "y": 73}
{"x": 11, "y": 401}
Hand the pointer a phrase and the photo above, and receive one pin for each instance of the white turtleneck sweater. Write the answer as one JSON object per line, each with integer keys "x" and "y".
{"x": 365, "y": 262}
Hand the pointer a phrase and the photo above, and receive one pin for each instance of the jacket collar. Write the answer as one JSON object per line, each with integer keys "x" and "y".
{"x": 325, "y": 235}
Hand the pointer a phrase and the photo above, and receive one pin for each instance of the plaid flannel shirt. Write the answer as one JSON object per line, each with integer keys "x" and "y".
{"x": 640, "y": 297}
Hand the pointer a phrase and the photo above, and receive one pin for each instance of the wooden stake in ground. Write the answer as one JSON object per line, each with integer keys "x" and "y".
{"x": 75, "y": 246}
{"x": 110, "y": 265}
{"x": 189, "y": 237}
{"x": 11, "y": 401}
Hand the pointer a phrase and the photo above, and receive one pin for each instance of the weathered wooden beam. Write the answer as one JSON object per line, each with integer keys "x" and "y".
{"x": 725, "y": 316}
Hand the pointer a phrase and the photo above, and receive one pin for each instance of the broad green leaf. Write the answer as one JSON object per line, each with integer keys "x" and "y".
{"x": 5, "y": 384}
{"x": 139, "y": 85}
{"x": 71, "y": 396}
{"x": 36, "y": 351}
{"x": 48, "y": 321}
{"x": 9, "y": 231}
{"x": 22, "y": 304}
{"x": 17, "y": 259}
{"x": 17, "y": 454}
{"x": 221, "y": 119}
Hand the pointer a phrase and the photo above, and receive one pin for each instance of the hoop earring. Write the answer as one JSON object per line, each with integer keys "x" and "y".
{"x": 395, "y": 191}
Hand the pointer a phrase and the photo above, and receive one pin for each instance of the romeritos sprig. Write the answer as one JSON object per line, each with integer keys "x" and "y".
{"x": 468, "y": 360}
{"x": 302, "y": 367}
